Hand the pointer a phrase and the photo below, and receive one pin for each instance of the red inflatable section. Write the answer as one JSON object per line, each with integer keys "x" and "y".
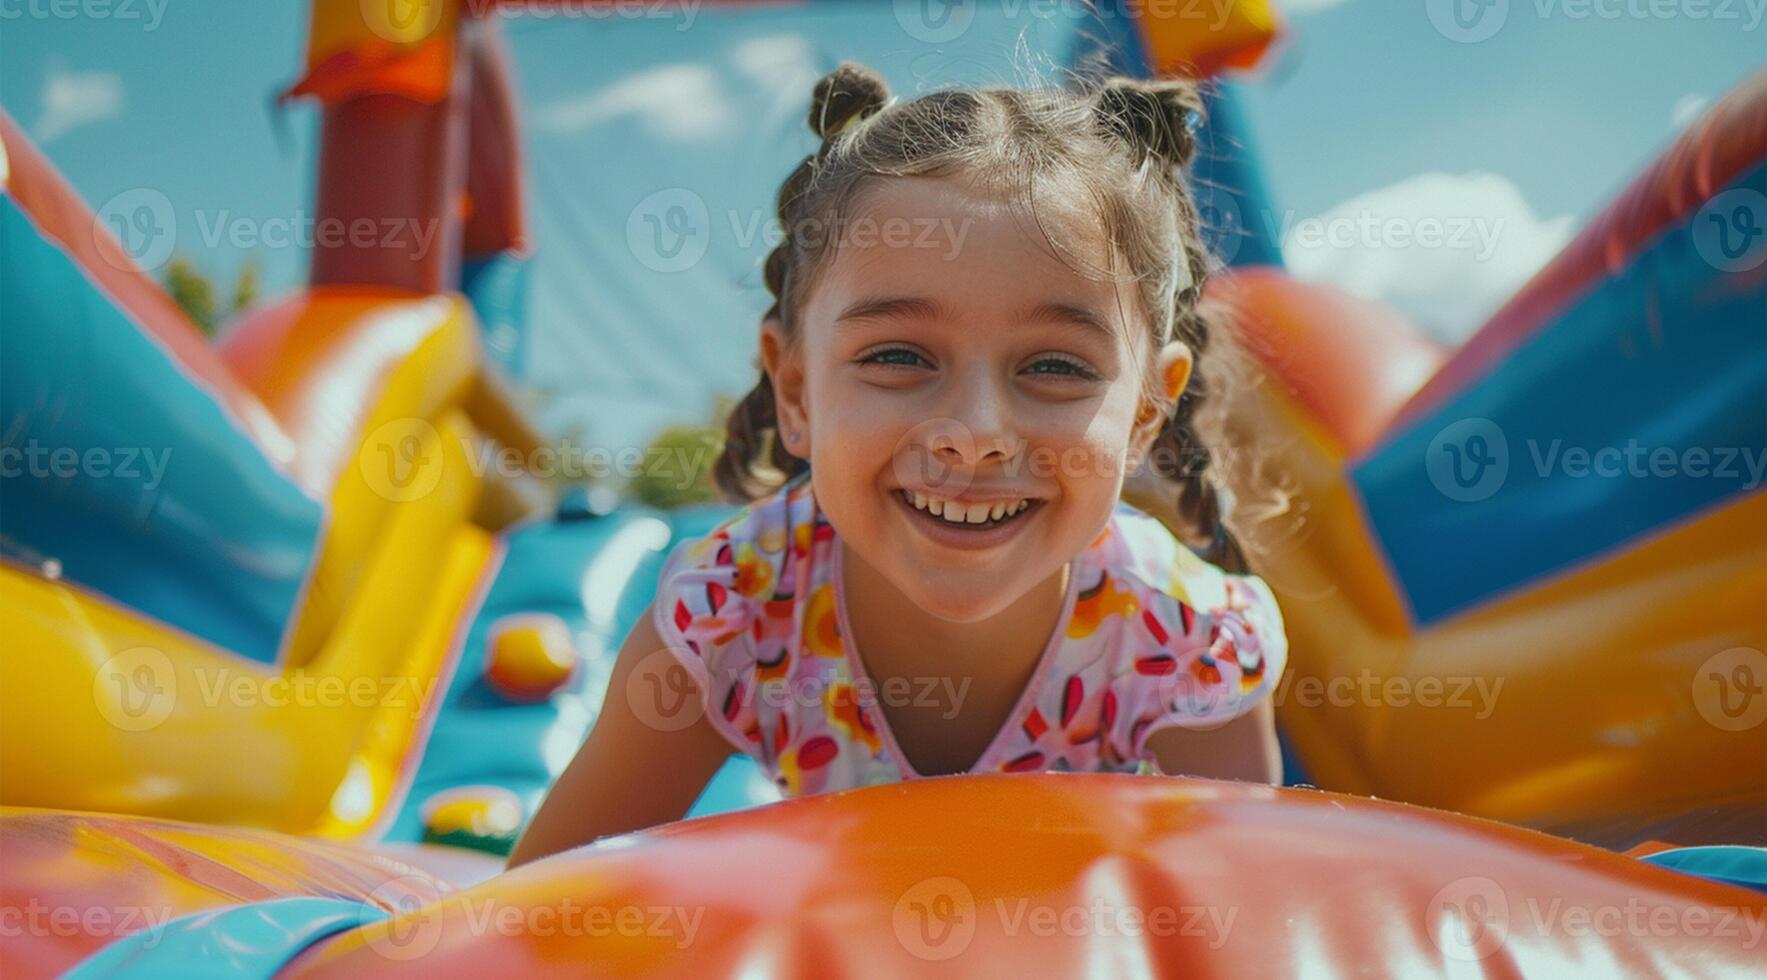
{"x": 1350, "y": 362}
{"x": 72, "y": 883}
{"x": 1072, "y": 875}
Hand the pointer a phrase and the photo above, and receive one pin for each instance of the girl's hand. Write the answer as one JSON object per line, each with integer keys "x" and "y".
{"x": 1244, "y": 749}
{"x": 628, "y": 775}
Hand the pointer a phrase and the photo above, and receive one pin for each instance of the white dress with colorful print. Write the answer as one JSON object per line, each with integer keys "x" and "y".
{"x": 1150, "y": 636}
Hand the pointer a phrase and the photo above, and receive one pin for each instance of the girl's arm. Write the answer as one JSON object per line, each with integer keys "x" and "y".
{"x": 1244, "y": 748}
{"x": 629, "y": 774}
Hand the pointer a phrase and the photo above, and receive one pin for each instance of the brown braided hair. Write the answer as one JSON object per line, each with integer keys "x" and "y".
{"x": 1126, "y": 142}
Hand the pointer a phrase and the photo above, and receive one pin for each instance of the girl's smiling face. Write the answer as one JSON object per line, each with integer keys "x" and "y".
{"x": 945, "y": 355}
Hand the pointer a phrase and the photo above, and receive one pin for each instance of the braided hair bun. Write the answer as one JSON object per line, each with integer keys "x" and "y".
{"x": 848, "y": 94}
{"x": 1158, "y": 116}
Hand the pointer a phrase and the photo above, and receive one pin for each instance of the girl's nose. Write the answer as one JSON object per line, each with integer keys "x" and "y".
{"x": 966, "y": 447}
{"x": 982, "y": 430}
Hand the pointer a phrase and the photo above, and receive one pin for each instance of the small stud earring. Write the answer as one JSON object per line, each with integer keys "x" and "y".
{"x": 791, "y": 437}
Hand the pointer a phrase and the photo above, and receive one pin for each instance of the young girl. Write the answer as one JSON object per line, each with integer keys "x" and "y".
{"x": 986, "y": 317}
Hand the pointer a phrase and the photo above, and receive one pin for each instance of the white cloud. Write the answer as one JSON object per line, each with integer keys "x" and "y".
{"x": 1445, "y": 249}
{"x": 780, "y": 61}
{"x": 680, "y": 102}
{"x": 783, "y": 68}
{"x": 691, "y": 102}
{"x": 72, "y": 99}
{"x": 1687, "y": 109}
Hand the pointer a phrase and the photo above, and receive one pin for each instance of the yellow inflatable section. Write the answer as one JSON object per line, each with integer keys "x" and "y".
{"x": 1591, "y": 700}
{"x": 149, "y": 720}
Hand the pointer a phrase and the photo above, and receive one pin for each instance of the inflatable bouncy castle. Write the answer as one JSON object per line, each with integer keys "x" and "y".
{"x": 287, "y": 665}
{"x": 1564, "y": 506}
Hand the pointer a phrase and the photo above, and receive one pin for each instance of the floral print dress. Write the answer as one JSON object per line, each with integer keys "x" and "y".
{"x": 1150, "y": 636}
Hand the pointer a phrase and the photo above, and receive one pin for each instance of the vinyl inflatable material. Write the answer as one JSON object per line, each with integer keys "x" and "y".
{"x": 1527, "y": 581}
{"x": 1120, "y": 875}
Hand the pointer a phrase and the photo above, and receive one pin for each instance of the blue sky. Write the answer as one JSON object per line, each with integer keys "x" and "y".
{"x": 1369, "y": 108}
{"x": 1567, "y": 108}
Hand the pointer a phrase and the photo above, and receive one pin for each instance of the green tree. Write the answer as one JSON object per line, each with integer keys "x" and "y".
{"x": 190, "y": 289}
{"x": 194, "y": 292}
{"x": 245, "y": 289}
{"x": 677, "y": 467}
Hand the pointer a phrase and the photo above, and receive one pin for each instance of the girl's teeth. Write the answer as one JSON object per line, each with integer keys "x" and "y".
{"x": 958, "y": 513}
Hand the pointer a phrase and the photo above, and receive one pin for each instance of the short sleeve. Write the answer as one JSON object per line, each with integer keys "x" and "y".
{"x": 705, "y": 623}
{"x": 1206, "y": 667}
{"x": 724, "y": 609}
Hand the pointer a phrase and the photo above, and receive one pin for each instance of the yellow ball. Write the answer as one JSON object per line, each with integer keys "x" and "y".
{"x": 482, "y": 817}
{"x": 531, "y": 656}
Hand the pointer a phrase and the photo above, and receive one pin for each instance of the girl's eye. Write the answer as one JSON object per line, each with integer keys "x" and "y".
{"x": 893, "y": 356}
{"x": 1061, "y": 367}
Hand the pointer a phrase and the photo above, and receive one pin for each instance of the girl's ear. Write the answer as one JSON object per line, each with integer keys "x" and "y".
{"x": 785, "y": 369}
{"x": 1173, "y": 369}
